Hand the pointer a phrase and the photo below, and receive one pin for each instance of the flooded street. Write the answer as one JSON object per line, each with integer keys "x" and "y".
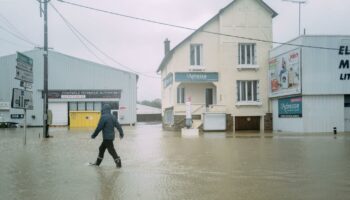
{"x": 164, "y": 165}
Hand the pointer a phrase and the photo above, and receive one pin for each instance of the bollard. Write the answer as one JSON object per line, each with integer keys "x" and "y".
{"x": 335, "y": 130}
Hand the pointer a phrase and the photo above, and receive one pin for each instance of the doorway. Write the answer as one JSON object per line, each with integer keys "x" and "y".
{"x": 209, "y": 99}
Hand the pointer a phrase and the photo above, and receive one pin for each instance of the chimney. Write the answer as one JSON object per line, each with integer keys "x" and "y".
{"x": 166, "y": 46}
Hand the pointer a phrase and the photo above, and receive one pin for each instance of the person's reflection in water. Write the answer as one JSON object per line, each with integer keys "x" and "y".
{"x": 107, "y": 180}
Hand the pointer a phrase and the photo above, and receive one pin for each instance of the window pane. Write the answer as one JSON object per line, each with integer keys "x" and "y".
{"x": 81, "y": 106}
{"x": 73, "y": 106}
{"x": 192, "y": 55}
{"x": 242, "y": 54}
{"x": 198, "y": 54}
{"x": 248, "y": 54}
{"x": 249, "y": 90}
{"x": 178, "y": 95}
{"x": 243, "y": 86}
{"x": 238, "y": 90}
{"x": 255, "y": 89}
{"x": 239, "y": 54}
{"x": 182, "y": 95}
{"x": 90, "y": 106}
{"x": 97, "y": 106}
{"x": 253, "y": 54}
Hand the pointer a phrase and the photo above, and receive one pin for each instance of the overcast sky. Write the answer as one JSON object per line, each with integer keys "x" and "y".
{"x": 138, "y": 44}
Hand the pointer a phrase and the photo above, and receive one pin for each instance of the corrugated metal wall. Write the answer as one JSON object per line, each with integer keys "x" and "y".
{"x": 66, "y": 72}
{"x": 285, "y": 124}
{"x": 322, "y": 113}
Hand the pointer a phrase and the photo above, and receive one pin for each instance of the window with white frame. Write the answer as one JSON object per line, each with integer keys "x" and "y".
{"x": 180, "y": 95}
{"x": 196, "y": 53}
{"x": 248, "y": 91}
{"x": 247, "y": 54}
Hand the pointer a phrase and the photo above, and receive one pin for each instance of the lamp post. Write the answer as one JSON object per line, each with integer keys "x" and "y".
{"x": 299, "y": 2}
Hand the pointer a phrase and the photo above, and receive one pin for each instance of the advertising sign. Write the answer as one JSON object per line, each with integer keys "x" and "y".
{"x": 284, "y": 74}
{"x": 84, "y": 94}
{"x": 203, "y": 77}
{"x": 290, "y": 107}
{"x": 22, "y": 99}
{"x": 168, "y": 80}
{"x": 24, "y": 68}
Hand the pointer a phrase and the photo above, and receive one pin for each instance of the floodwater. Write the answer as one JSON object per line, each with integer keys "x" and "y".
{"x": 165, "y": 165}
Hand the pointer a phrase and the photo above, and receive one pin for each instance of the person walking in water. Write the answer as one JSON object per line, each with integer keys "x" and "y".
{"x": 106, "y": 124}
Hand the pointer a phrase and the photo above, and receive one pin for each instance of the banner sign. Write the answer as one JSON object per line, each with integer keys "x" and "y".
{"x": 168, "y": 80}
{"x": 202, "y": 77}
{"x": 290, "y": 107}
{"x": 284, "y": 74}
{"x": 84, "y": 94}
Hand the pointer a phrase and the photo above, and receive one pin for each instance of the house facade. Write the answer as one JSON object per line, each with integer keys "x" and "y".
{"x": 221, "y": 71}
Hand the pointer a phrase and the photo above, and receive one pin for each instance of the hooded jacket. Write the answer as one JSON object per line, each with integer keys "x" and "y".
{"x": 106, "y": 124}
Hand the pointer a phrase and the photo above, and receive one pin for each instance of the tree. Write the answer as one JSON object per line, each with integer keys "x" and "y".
{"x": 155, "y": 103}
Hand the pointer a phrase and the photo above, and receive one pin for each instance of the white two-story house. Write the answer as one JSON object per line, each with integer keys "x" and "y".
{"x": 221, "y": 69}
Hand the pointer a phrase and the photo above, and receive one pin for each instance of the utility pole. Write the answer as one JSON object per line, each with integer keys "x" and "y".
{"x": 299, "y": 2}
{"x": 45, "y": 89}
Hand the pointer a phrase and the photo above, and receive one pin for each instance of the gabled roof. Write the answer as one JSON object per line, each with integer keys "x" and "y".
{"x": 170, "y": 54}
{"x": 76, "y": 58}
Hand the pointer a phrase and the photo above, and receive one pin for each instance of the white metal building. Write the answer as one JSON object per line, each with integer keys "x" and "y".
{"x": 310, "y": 87}
{"x": 74, "y": 85}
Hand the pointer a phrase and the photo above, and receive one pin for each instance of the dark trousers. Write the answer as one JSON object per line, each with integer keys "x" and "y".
{"x": 107, "y": 144}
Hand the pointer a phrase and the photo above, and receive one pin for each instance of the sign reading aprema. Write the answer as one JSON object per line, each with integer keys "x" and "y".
{"x": 284, "y": 74}
{"x": 290, "y": 107}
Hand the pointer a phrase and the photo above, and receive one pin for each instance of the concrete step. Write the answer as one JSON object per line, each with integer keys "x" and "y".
{"x": 197, "y": 123}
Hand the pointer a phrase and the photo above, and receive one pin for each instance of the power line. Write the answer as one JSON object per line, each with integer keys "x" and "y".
{"x": 192, "y": 29}
{"x": 13, "y": 43}
{"x": 17, "y": 36}
{"x": 76, "y": 35}
{"x": 95, "y": 46}
{"x": 10, "y": 25}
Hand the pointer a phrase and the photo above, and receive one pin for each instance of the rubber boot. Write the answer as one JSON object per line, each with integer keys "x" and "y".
{"x": 118, "y": 162}
{"x": 98, "y": 161}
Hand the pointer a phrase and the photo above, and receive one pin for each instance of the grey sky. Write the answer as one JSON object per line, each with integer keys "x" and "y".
{"x": 138, "y": 44}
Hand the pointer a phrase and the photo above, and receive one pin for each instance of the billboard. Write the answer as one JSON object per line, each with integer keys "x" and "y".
{"x": 284, "y": 74}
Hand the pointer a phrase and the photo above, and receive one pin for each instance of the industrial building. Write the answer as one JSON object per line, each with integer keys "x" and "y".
{"x": 310, "y": 84}
{"x": 77, "y": 89}
{"x": 222, "y": 76}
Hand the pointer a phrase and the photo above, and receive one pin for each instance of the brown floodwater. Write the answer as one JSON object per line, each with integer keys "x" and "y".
{"x": 165, "y": 165}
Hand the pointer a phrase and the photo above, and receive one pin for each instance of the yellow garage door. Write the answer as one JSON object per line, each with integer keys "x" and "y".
{"x": 84, "y": 119}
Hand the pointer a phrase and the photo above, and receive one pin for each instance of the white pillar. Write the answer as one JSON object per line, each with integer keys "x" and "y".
{"x": 262, "y": 124}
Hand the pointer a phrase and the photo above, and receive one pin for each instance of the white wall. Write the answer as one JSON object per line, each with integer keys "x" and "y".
{"x": 320, "y": 68}
{"x": 322, "y": 113}
{"x": 286, "y": 124}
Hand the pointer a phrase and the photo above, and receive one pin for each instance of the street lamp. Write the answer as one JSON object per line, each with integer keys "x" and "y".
{"x": 299, "y": 2}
